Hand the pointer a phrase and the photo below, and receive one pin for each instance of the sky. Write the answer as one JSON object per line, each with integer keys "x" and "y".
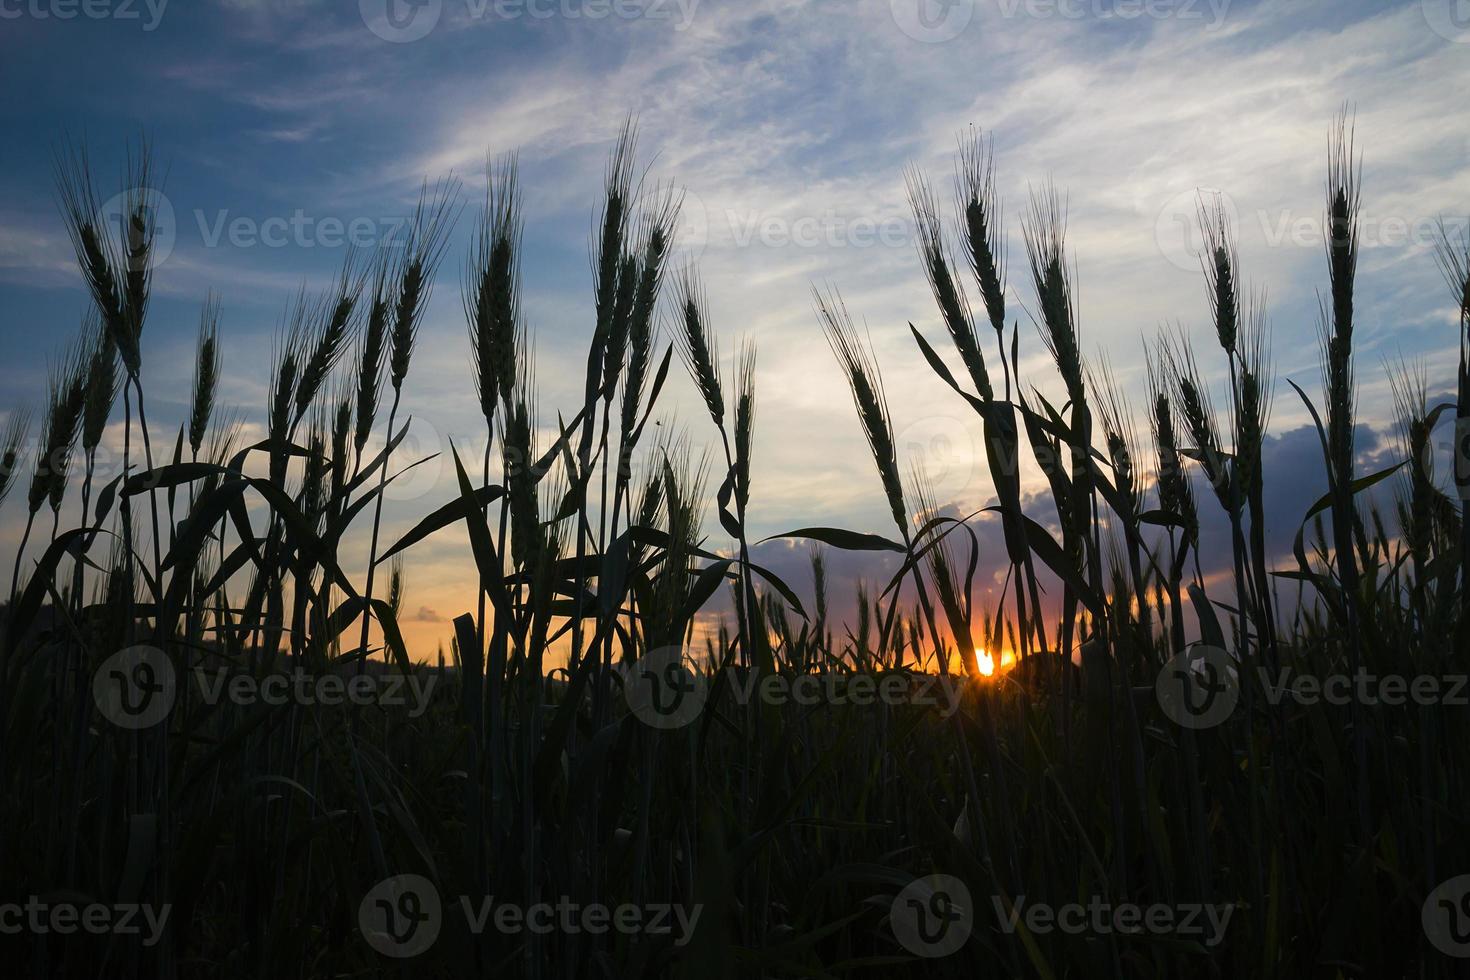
{"x": 288, "y": 127}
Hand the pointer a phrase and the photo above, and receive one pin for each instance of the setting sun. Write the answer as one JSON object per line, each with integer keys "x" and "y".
{"x": 985, "y": 662}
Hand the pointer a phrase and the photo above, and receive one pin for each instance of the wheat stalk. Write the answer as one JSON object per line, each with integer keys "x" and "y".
{"x": 866, "y": 385}
{"x": 744, "y": 421}
{"x": 428, "y": 237}
{"x": 1044, "y": 230}
{"x": 698, "y": 345}
{"x": 949, "y": 294}
{"x": 66, "y": 404}
{"x": 371, "y": 347}
{"x": 492, "y": 288}
{"x": 1220, "y": 264}
{"x": 95, "y": 252}
{"x": 1192, "y": 399}
{"x": 657, "y": 226}
{"x": 1176, "y": 494}
{"x": 206, "y": 374}
{"x": 12, "y": 441}
{"x": 981, "y": 209}
{"x": 102, "y": 385}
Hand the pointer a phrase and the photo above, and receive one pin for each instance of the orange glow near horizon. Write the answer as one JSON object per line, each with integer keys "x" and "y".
{"x": 989, "y": 666}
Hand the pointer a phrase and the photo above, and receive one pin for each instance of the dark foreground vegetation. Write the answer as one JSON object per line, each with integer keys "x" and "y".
{"x": 749, "y": 836}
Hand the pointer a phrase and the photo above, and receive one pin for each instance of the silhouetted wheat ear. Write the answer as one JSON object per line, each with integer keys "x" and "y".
{"x": 313, "y": 493}
{"x": 518, "y": 447}
{"x": 397, "y": 585}
{"x": 981, "y": 210}
{"x": 341, "y": 434}
{"x": 1192, "y": 398}
{"x": 206, "y": 374}
{"x": 428, "y": 236}
{"x": 613, "y": 225}
{"x": 1343, "y": 173}
{"x": 617, "y": 336}
{"x": 1453, "y": 255}
{"x": 102, "y": 383}
{"x": 698, "y": 345}
{"x": 1337, "y": 377}
{"x": 818, "y": 559}
{"x": 492, "y": 287}
{"x": 1045, "y": 232}
{"x": 66, "y": 400}
{"x": 657, "y": 226}
{"x": 744, "y": 420}
{"x": 1120, "y": 436}
{"x": 1220, "y": 265}
{"x": 95, "y": 252}
{"x": 1176, "y": 495}
{"x": 12, "y": 441}
{"x": 293, "y": 345}
{"x": 139, "y": 231}
{"x": 1454, "y": 262}
{"x": 682, "y": 481}
{"x": 650, "y": 502}
{"x": 1415, "y": 505}
{"x": 1253, "y": 410}
{"x": 866, "y": 385}
{"x": 954, "y": 307}
{"x": 370, "y": 352}
{"x": 329, "y": 326}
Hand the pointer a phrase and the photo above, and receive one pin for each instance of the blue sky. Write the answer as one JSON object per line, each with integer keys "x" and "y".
{"x": 284, "y": 123}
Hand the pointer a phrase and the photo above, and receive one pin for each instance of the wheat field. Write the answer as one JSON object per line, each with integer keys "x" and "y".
{"x": 647, "y": 755}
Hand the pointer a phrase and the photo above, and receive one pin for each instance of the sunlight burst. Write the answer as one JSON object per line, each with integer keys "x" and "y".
{"x": 985, "y": 662}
